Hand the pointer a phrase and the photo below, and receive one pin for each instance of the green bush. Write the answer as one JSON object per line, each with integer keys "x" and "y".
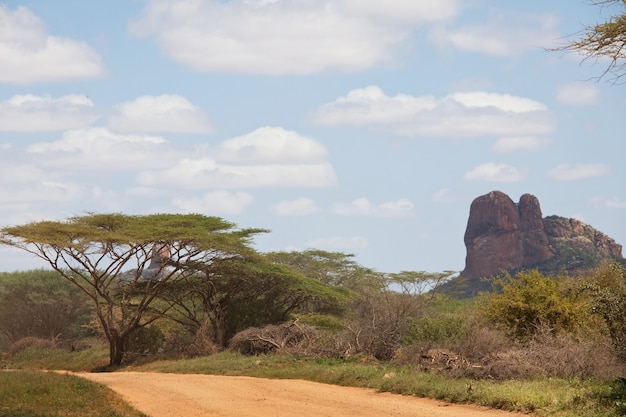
{"x": 42, "y": 304}
{"x": 530, "y": 302}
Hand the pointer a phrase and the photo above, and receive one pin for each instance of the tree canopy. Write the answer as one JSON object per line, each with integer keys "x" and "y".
{"x": 111, "y": 258}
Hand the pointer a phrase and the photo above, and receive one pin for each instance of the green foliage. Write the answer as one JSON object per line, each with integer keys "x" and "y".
{"x": 41, "y": 303}
{"x": 39, "y": 394}
{"x": 607, "y": 288}
{"x": 434, "y": 329}
{"x": 604, "y": 42}
{"x": 529, "y": 302}
{"x": 230, "y": 295}
{"x": 332, "y": 268}
{"x": 144, "y": 340}
{"x": 107, "y": 257}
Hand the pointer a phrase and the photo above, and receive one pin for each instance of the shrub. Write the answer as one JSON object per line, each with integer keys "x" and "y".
{"x": 285, "y": 337}
{"x": 607, "y": 288}
{"x": 530, "y": 301}
{"x": 144, "y": 340}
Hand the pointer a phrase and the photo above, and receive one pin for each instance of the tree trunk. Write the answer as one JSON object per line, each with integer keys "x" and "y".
{"x": 116, "y": 348}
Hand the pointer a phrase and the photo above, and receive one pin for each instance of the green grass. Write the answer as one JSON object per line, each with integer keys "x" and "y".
{"x": 541, "y": 397}
{"x": 38, "y": 358}
{"x": 43, "y": 394}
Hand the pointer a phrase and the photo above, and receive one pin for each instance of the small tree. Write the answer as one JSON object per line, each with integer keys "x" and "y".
{"x": 123, "y": 263}
{"x": 529, "y": 302}
{"x": 608, "y": 293}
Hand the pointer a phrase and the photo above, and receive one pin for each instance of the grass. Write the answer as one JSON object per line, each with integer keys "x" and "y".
{"x": 42, "y": 394}
{"x": 542, "y": 397}
{"x": 49, "y": 358}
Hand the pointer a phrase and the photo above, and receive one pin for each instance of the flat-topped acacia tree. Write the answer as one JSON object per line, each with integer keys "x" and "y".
{"x": 123, "y": 262}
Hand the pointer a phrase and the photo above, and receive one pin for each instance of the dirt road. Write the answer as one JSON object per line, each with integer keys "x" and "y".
{"x": 175, "y": 395}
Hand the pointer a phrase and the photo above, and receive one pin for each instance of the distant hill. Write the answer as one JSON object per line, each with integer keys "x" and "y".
{"x": 502, "y": 235}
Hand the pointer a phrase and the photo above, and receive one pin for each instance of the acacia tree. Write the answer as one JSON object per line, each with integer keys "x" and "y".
{"x": 604, "y": 40}
{"x": 123, "y": 263}
{"x": 231, "y": 295}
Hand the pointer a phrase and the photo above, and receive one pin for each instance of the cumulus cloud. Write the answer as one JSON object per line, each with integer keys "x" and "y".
{"x": 31, "y": 113}
{"x": 29, "y": 55}
{"x": 339, "y": 243}
{"x": 21, "y": 184}
{"x": 464, "y": 114}
{"x": 494, "y": 172}
{"x": 578, "y": 94}
{"x": 520, "y": 143}
{"x": 284, "y": 37}
{"x": 364, "y": 207}
{"x": 266, "y": 157}
{"x": 164, "y": 113}
{"x": 503, "y": 34}
{"x": 215, "y": 202}
{"x": 575, "y": 172}
{"x": 271, "y": 145}
{"x": 297, "y": 207}
{"x": 98, "y": 149}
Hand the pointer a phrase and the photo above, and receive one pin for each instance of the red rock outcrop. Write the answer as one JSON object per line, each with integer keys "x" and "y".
{"x": 581, "y": 235}
{"x": 502, "y": 235}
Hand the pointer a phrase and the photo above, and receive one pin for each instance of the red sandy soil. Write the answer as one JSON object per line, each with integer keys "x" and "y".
{"x": 176, "y": 395}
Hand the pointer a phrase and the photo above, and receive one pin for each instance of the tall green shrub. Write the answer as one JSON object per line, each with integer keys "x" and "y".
{"x": 529, "y": 301}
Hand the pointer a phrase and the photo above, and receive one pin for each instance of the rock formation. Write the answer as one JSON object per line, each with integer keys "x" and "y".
{"x": 502, "y": 235}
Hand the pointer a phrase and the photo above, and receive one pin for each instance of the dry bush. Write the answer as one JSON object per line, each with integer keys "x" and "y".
{"x": 287, "y": 337}
{"x": 487, "y": 353}
{"x": 181, "y": 342}
{"x": 430, "y": 359}
{"x": 560, "y": 355}
{"x": 26, "y": 342}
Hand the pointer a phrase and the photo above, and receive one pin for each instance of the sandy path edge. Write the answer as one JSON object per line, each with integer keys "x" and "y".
{"x": 193, "y": 395}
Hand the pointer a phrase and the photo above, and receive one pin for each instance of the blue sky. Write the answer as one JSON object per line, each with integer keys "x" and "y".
{"x": 359, "y": 126}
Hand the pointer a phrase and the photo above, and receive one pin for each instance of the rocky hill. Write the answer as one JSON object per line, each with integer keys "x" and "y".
{"x": 504, "y": 235}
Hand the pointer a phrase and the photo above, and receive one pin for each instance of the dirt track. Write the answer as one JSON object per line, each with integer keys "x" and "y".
{"x": 175, "y": 395}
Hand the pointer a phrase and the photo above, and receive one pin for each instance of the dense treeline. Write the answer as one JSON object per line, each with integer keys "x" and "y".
{"x": 163, "y": 285}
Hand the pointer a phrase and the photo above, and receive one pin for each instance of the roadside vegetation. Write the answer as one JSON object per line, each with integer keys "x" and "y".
{"x": 548, "y": 345}
{"x": 39, "y": 394}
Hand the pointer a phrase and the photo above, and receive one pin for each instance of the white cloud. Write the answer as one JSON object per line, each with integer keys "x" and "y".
{"x": 575, "y": 172}
{"x": 284, "y": 37}
{"x": 164, "y": 113}
{"x": 267, "y": 157}
{"x": 363, "y": 207}
{"x": 29, "y": 55}
{"x": 271, "y": 145}
{"x": 503, "y": 34}
{"x": 578, "y": 94}
{"x": 520, "y": 143}
{"x": 297, "y": 207}
{"x": 339, "y": 243}
{"x": 610, "y": 203}
{"x": 31, "y": 113}
{"x": 98, "y": 149}
{"x": 466, "y": 114}
{"x": 493, "y": 172}
{"x": 215, "y": 202}
{"x": 403, "y": 11}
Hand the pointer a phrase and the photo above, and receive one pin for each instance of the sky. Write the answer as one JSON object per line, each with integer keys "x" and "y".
{"x": 360, "y": 126}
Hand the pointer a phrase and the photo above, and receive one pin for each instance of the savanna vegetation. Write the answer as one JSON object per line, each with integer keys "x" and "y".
{"x": 181, "y": 293}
